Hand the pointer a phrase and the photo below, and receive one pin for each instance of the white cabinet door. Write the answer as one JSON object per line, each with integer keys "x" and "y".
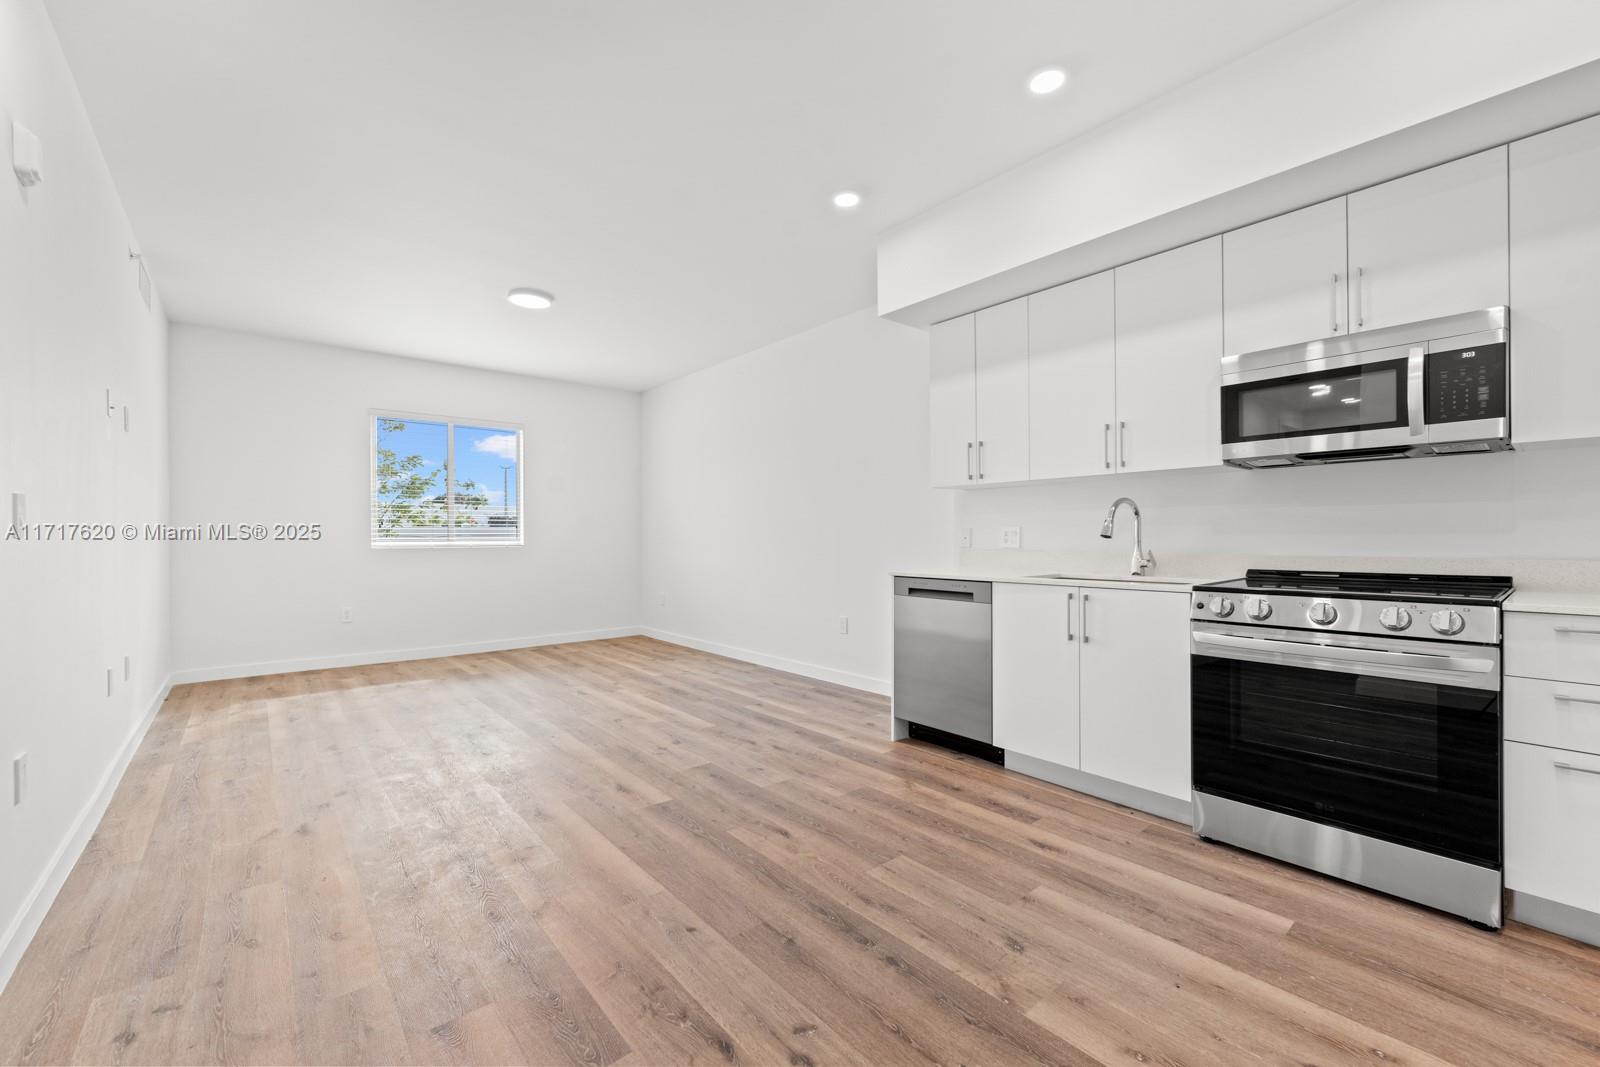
{"x": 1169, "y": 359}
{"x": 1284, "y": 280}
{"x": 1552, "y": 806}
{"x": 1134, "y": 690}
{"x": 1036, "y": 671}
{"x": 952, "y": 402}
{"x": 1555, "y": 263}
{"x": 1072, "y": 376}
{"x": 1430, "y": 244}
{"x": 1002, "y": 362}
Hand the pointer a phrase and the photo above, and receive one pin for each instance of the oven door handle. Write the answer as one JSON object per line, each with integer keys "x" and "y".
{"x": 1290, "y": 651}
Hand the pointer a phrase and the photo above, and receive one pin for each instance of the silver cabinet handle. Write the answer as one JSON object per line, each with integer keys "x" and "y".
{"x": 1560, "y": 766}
{"x": 1336, "y": 303}
{"x": 969, "y": 461}
{"x": 1084, "y": 629}
{"x": 980, "y": 461}
{"x": 1361, "y": 311}
{"x": 1106, "y": 445}
{"x": 1122, "y": 443}
{"x": 1069, "y": 615}
{"x": 1576, "y": 630}
{"x": 1568, "y": 698}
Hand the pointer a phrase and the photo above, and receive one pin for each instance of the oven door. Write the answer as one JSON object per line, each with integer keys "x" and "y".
{"x": 1394, "y": 739}
{"x": 1361, "y": 402}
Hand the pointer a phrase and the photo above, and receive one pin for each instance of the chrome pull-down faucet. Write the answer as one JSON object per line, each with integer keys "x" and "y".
{"x": 1142, "y": 560}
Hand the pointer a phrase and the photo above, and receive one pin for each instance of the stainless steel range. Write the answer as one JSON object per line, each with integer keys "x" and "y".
{"x": 1350, "y": 723}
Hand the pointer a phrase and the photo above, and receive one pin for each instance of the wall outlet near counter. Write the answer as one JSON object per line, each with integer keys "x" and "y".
{"x": 966, "y": 537}
{"x": 1010, "y": 537}
{"x": 844, "y": 624}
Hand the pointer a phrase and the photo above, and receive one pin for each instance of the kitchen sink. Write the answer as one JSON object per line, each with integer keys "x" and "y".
{"x": 1160, "y": 578}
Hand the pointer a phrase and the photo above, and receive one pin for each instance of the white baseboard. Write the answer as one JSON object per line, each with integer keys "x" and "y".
{"x": 396, "y": 655}
{"x": 36, "y": 905}
{"x": 849, "y": 679}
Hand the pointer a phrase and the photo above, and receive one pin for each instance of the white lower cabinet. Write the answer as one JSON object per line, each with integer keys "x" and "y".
{"x": 1095, "y": 679}
{"x": 1552, "y": 809}
{"x": 1036, "y": 671}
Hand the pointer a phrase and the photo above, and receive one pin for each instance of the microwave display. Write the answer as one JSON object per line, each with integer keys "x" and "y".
{"x": 1466, "y": 384}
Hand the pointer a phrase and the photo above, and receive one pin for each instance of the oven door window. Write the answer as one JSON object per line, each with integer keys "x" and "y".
{"x": 1412, "y": 762}
{"x": 1369, "y": 397}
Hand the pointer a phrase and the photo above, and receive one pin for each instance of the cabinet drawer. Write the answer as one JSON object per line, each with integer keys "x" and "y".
{"x": 1552, "y": 808}
{"x": 1558, "y": 714}
{"x": 1562, "y": 648}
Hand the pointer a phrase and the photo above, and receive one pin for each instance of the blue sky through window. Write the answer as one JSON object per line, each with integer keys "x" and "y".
{"x": 410, "y": 461}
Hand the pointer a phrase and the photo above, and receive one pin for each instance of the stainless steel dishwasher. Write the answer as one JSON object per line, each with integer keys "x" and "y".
{"x": 944, "y": 662}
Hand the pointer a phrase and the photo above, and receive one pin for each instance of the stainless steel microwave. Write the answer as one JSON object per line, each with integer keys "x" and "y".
{"x": 1438, "y": 387}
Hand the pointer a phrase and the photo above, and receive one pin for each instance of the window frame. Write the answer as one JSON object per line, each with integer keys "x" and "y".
{"x": 450, "y": 423}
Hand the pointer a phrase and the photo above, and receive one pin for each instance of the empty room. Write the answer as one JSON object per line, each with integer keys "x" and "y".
{"x": 638, "y": 533}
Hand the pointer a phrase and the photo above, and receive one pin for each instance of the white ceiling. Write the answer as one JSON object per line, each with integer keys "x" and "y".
{"x": 377, "y": 173}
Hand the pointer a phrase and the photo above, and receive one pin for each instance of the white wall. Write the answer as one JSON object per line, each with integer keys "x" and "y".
{"x": 1361, "y": 74}
{"x": 271, "y": 430}
{"x": 781, "y": 488}
{"x": 72, "y": 325}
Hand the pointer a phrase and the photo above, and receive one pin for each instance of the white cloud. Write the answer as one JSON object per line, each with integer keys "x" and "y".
{"x": 503, "y": 445}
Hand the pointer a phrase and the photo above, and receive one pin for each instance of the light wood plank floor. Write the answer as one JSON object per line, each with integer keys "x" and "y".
{"x": 629, "y": 853}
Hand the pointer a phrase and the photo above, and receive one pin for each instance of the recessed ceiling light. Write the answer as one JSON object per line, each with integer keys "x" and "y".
{"x": 1046, "y": 81}
{"x": 846, "y": 199}
{"x": 537, "y": 299}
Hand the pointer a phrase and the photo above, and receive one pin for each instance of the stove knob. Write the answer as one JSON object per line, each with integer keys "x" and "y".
{"x": 1322, "y": 613}
{"x": 1258, "y": 608}
{"x": 1447, "y": 622}
{"x": 1222, "y": 607}
{"x": 1394, "y": 618}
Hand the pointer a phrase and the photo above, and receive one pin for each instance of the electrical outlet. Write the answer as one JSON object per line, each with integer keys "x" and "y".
{"x": 966, "y": 537}
{"x": 347, "y": 615}
{"x": 19, "y": 779}
{"x": 844, "y": 624}
{"x": 19, "y": 509}
{"x": 661, "y": 600}
{"x": 1010, "y": 537}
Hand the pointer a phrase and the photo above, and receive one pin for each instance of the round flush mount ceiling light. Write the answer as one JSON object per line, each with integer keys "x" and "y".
{"x": 1046, "y": 81}
{"x": 537, "y": 299}
{"x": 846, "y": 199}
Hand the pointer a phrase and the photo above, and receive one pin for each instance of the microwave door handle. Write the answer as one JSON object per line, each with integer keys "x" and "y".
{"x": 1292, "y": 651}
{"x": 1416, "y": 365}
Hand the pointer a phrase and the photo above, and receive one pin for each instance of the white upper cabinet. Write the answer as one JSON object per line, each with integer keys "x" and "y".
{"x": 1002, "y": 390}
{"x": 1036, "y": 671}
{"x": 1284, "y": 280}
{"x": 1072, "y": 369}
{"x": 1555, "y": 261}
{"x": 952, "y": 402}
{"x": 1430, "y": 244}
{"x": 1134, "y": 688}
{"x": 1169, "y": 359}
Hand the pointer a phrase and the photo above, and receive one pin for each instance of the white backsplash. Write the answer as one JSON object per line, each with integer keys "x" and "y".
{"x": 1534, "y": 515}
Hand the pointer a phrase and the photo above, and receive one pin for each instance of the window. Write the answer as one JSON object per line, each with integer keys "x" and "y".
{"x": 438, "y": 481}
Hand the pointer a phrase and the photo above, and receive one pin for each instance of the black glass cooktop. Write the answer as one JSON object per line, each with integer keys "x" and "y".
{"x": 1428, "y": 588}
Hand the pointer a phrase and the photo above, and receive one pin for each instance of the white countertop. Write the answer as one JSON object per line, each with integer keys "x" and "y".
{"x": 1156, "y": 583}
{"x": 1554, "y": 602}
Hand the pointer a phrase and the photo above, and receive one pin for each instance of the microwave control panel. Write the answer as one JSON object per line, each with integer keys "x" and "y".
{"x": 1466, "y": 384}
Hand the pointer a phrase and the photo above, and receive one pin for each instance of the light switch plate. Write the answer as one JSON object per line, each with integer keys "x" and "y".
{"x": 844, "y": 624}
{"x": 1010, "y": 537}
{"x": 27, "y": 155}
